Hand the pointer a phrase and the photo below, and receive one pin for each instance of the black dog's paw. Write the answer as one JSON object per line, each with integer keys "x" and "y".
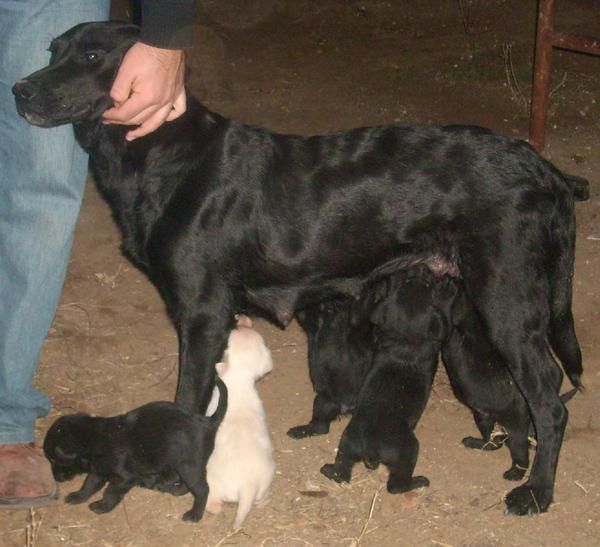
{"x": 99, "y": 507}
{"x": 515, "y": 473}
{"x": 480, "y": 444}
{"x": 332, "y": 473}
{"x": 395, "y": 486}
{"x": 178, "y": 489}
{"x": 371, "y": 463}
{"x": 192, "y": 515}
{"x": 308, "y": 430}
{"x": 175, "y": 488}
{"x": 524, "y": 500}
{"x": 75, "y": 498}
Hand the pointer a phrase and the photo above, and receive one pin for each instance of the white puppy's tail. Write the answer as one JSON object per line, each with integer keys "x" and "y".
{"x": 245, "y": 503}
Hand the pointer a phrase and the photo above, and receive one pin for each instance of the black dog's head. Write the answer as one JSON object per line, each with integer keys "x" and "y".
{"x": 75, "y": 86}
{"x": 65, "y": 446}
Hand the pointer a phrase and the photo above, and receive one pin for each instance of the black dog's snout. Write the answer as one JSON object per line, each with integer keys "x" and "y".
{"x": 24, "y": 90}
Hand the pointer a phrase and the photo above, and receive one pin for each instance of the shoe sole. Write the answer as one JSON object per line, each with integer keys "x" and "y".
{"x": 10, "y": 504}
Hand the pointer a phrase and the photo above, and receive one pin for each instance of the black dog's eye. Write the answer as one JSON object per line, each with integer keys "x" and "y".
{"x": 92, "y": 57}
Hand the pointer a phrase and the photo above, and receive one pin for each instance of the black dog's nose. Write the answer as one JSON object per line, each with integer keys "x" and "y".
{"x": 24, "y": 90}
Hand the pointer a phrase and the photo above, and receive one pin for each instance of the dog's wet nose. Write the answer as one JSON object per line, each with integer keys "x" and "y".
{"x": 24, "y": 90}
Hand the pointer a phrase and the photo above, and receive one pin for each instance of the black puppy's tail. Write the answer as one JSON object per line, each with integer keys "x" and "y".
{"x": 568, "y": 395}
{"x": 579, "y": 186}
{"x": 217, "y": 416}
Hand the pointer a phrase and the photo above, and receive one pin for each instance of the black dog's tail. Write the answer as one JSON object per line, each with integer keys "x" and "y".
{"x": 579, "y": 186}
{"x": 561, "y": 328}
{"x": 217, "y": 416}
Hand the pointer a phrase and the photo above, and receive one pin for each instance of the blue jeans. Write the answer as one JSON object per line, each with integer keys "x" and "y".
{"x": 42, "y": 178}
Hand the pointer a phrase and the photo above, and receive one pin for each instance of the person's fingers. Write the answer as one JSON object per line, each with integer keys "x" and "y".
{"x": 179, "y": 106}
{"x": 150, "y": 124}
{"x": 129, "y": 112}
{"x": 138, "y": 119}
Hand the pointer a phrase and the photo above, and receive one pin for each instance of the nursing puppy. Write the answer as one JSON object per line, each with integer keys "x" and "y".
{"x": 480, "y": 379}
{"x": 156, "y": 446}
{"x": 241, "y": 466}
{"x": 340, "y": 354}
{"x": 411, "y": 323}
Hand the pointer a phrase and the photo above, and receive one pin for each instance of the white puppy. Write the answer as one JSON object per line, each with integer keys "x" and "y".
{"x": 241, "y": 466}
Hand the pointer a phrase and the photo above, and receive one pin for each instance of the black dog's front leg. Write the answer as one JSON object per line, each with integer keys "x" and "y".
{"x": 92, "y": 484}
{"x": 202, "y": 341}
{"x": 114, "y": 493}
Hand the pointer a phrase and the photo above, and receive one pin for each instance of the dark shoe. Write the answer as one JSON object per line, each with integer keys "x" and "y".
{"x": 25, "y": 478}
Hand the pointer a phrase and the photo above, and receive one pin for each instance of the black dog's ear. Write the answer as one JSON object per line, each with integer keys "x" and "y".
{"x": 375, "y": 300}
{"x": 383, "y": 313}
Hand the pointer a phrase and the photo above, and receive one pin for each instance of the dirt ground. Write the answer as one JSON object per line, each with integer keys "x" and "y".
{"x": 309, "y": 67}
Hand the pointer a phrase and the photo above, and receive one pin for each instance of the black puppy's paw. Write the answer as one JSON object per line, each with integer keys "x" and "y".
{"x": 334, "y": 474}
{"x": 99, "y": 507}
{"x": 192, "y": 515}
{"x": 515, "y": 473}
{"x": 481, "y": 444}
{"x": 177, "y": 489}
{"x": 75, "y": 498}
{"x": 371, "y": 463}
{"x": 308, "y": 430}
{"x": 395, "y": 486}
{"x": 524, "y": 500}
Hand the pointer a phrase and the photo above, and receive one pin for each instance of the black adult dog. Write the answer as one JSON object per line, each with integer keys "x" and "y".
{"x": 341, "y": 343}
{"x": 411, "y": 323}
{"x": 157, "y": 446}
{"x": 221, "y": 215}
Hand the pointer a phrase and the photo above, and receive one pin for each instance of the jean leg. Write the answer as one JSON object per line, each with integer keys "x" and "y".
{"x": 42, "y": 178}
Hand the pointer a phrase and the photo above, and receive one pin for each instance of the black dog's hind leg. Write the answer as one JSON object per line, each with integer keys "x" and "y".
{"x": 401, "y": 461}
{"x": 92, "y": 484}
{"x": 194, "y": 476}
{"x": 516, "y": 314}
{"x": 347, "y": 455}
{"x": 518, "y": 445}
{"x": 485, "y": 424}
{"x": 324, "y": 412}
{"x": 114, "y": 493}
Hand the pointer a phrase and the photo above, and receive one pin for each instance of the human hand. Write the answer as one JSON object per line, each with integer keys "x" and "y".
{"x": 148, "y": 89}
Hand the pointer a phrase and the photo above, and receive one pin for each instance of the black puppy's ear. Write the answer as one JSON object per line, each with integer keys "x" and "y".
{"x": 375, "y": 297}
{"x": 381, "y": 313}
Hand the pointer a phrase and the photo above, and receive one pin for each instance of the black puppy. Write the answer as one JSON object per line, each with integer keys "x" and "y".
{"x": 481, "y": 380}
{"x": 340, "y": 354}
{"x": 221, "y": 215}
{"x": 411, "y": 323}
{"x": 156, "y": 446}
